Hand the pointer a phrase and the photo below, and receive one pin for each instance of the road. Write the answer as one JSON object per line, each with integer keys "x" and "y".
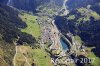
{"x": 65, "y": 8}
{"x": 20, "y": 50}
{"x": 55, "y": 37}
{"x": 14, "y": 60}
{"x": 26, "y": 61}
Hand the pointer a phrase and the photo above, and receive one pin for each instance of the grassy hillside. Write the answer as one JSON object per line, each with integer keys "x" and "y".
{"x": 36, "y": 56}
{"x": 10, "y": 25}
{"x": 41, "y": 58}
{"x": 96, "y": 60}
{"x": 7, "y": 51}
{"x": 32, "y": 25}
{"x": 26, "y": 29}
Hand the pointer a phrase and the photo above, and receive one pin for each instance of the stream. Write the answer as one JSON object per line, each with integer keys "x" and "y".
{"x": 9, "y": 2}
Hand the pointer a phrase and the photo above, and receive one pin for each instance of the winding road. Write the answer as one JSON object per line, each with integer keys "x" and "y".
{"x": 14, "y": 59}
{"x": 65, "y": 8}
{"x": 56, "y": 38}
{"x": 20, "y": 50}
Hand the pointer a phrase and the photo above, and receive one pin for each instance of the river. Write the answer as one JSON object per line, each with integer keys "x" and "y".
{"x": 9, "y": 2}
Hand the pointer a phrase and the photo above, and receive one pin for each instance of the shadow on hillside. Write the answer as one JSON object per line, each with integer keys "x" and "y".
{"x": 11, "y": 25}
{"x": 88, "y": 31}
{"x": 73, "y": 4}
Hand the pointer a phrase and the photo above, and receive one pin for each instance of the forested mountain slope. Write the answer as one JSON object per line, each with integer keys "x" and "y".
{"x": 10, "y": 34}
{"x": 83, "y": 20}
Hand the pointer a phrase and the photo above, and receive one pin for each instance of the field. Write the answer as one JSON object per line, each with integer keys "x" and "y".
{"x": 96, "y": 61}
{"x": 32, "y": 25}
{"x": 41, "y": 57}
{"x": 27, "y": 56}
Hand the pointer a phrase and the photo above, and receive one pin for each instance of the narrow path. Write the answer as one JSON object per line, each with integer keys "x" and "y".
{"x": 26, "y": 61}
{"x": 14, "y": 60}
{"x": 25, "y": 57}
